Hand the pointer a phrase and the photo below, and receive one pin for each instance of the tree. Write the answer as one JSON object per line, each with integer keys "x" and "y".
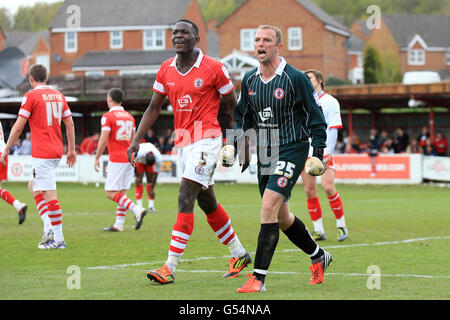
{"x": 372, "y": 66}
{"x": 5, "y": 19}
{"x": 35, "y": 18}
{"x": 391, "y": 71}
{"x": 218, "y": 9}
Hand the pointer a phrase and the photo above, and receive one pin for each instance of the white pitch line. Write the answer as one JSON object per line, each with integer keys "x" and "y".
{"x": 401, "y": 275}
{"x": 117, "y": 266}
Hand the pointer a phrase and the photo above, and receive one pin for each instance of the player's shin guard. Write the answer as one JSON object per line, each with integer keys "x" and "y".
{"x": 8, "y": 197}
{"x": 55, "y": 216}
{"x": 124, "y": 201}
{"x": 181, "y": 233}
{"x": 267, "y": 242}
{"x": 221, "y": 225}
{"x": 42, "y": 208}
{"x": 315, "y": 212}
{"x": 138, "y": 191}
{"x": 298, "y": 234}
{"x": 336, "y": 205}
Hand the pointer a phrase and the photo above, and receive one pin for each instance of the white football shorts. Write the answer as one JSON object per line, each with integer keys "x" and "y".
{"x": 198, "y": 160}
{"x": 119, "y": 176}
{"x": 44, "y": 174}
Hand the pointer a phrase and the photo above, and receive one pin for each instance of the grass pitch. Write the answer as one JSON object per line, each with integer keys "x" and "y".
{"x": 400, "y": 231}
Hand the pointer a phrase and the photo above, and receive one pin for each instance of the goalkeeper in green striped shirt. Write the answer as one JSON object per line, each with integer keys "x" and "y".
{"x": 277, "y": 104}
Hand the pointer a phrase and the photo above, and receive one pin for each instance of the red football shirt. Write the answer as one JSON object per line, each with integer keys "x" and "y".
{"x": 44, "y": 107}
{"x": 121, "y": 126}
{"x": 195, "y": 97}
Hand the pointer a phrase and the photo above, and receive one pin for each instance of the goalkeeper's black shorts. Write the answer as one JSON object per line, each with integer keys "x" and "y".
{"x": 281, "y": 172}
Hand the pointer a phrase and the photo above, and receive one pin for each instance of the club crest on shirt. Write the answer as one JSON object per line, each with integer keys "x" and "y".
{"x": 198, "y": 83}
{"x": 282, "y": 182}
{"x": 200, "y": 170}
{"x": 278, "y": 93}
{"x": 252, "y": 93}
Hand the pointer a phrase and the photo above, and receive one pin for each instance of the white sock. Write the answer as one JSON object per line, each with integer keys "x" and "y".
{"x": 151, "y": 203}
{"x": 236, "y": 248}
{"x": 18, "y": 205}
{"x": 340, "y": 223}
{"x": 58, "y": 234}
{"x": 139, "y": 202}
{"x": 47, "y": 223}
{"x": 318, "y": 226}
{"x": 172, "y": 263}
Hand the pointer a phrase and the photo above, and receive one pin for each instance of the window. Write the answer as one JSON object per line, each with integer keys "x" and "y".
{"x": 115, "y": 40}
{"x": 154, "y": 39}
{"x": 416, "y": 57}
{"x": 295, "y": 38}
{"x": 44, "y": 60}
{"x": 447, "y": 57}
{"x": 248, "y": 39}
{"x": 70, "y": 42}
{"x": 94, "y": 73}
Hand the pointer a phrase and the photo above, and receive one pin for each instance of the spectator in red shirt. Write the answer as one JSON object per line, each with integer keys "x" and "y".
{"x": 440, "y": 144}
{"x": 89, "y": 144}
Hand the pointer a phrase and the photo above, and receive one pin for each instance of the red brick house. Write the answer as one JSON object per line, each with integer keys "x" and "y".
{"x": 112, "y": 37}
{"x": 420, "y": 41}
{"x": 312, "y": 38}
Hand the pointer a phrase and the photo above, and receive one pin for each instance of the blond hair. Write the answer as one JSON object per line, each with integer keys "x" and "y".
{"x": 275, "y": 29}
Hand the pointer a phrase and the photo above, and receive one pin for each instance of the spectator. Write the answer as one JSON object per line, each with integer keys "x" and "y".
{"x": 414, "y": 147}
{"x": 388, "y": 146}
{"x": 401, "y": 141}
{"x": 384, "y": 135}
{"x": 151, "y": 137}
{"x": 440, "y": 144}
{"x": 424, "y": 135}
{"x": 15, "y": 148}
{"x": 89, "y": 144}
{"x": 352, "y": 143}
{"x": 25, "y": 147}
{"x": 428, "y": 150}
{"x": 375, "y": 143}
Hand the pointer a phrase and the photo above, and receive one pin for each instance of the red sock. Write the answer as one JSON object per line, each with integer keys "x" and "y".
{"x": 221, "y": 225}
{"x": 314, "y": 208}
{"x": 8, "y": 197}
{"x": 41, "y": 205}
{"x": 139, "y": 190}
{"x": 124, "y": 201}
{"x": 336, "y": 205}
{"x": 150, "y": 191}
{"x": 54, "y": 212}
{"x": 181, "y": 233}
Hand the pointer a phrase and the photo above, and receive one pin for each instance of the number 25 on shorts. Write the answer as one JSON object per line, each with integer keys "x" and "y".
{"x": 284, "y": 168}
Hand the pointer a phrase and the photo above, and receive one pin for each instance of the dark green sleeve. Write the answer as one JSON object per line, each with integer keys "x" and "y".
{"x": 315, "y": 120}
{"x": 242, "y": 118}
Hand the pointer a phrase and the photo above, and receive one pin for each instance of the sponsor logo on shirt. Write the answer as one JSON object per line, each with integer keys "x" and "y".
{"x": 265, "y": 114}
{"x": 184, "y": 101}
